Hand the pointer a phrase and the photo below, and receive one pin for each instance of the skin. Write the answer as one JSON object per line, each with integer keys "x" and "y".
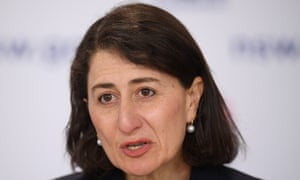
{"x": 129, "y": 102}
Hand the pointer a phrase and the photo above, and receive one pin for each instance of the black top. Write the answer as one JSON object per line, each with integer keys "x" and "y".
{"x": 198, "y": 173}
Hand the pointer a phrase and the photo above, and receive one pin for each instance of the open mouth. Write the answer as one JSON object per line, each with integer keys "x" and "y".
{"x": 136, "y": 148}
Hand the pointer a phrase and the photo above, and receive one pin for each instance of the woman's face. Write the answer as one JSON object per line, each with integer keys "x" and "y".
{"x": 139, "y": 114}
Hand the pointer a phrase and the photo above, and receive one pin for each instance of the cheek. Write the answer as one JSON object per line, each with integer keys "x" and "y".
{"x": 106, "y": 131}
{"x": 169, "y": 119}
{"x": 95, "y": 119}
{"x": 174, "y": 130}
{"x": 103, "y": 125}
{"x": 175, "y": 120}
{"x": 173, "y": 112}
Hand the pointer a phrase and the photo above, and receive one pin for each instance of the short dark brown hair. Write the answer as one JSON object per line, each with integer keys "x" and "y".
{"x": 149, "y": 36}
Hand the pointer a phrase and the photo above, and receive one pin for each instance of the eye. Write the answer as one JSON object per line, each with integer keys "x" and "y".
{"x": 106, "y": 98}
{"x": 146, "y": 92}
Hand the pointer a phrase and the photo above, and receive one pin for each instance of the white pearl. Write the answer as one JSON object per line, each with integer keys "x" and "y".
{"x": 190, "y": 128}
{"x": 98, "y": 142}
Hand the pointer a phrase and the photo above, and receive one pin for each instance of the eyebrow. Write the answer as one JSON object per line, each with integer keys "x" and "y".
{"x": 132, "y": 82}
{"x": 143, "y": 80}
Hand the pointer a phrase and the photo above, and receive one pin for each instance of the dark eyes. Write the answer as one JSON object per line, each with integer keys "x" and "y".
{"x": 106, "y": 98}
{"x": 146, "y": 92}
{"x": 110, "y": 98}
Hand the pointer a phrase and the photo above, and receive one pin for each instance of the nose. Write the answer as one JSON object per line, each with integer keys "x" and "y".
{"x": 128, "y": 118}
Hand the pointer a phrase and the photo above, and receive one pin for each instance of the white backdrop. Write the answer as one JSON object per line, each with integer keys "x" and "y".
{"x": 252, "y": 46}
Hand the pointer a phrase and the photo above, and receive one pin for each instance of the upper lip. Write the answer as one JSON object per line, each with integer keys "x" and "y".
{"x": 135, "y": 142}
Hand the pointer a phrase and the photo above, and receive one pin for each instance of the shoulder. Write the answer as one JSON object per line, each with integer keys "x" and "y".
{"x": 219, "y": 173}
{"x": 75, "y": 176}
{"x": 115, "y": 175}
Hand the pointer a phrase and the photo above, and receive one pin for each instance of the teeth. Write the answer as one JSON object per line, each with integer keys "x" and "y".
{"x": 135, "y": 146}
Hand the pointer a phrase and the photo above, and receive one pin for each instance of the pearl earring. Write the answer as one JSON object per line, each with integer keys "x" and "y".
{"x": 190, "y": 128}
{"x": 98, "y": 142}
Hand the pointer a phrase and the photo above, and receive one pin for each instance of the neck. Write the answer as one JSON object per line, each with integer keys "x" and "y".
{"x": 180, "y": 171}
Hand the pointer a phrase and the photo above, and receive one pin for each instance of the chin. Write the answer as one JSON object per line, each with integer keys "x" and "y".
{"x": 138, "y": 170}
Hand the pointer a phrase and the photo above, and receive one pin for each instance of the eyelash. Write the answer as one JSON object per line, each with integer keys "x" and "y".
{"x": 101, "y": 98}
{"x": 151, "y": 91}
{"x": 112, "y": 97}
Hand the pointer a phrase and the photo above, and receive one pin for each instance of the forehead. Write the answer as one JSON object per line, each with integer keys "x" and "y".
{"x": 104, "y": 61}
{"x": 110, "y": 65}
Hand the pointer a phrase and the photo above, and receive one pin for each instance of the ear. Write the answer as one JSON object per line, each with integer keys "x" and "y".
{"x": 194, "y": 94}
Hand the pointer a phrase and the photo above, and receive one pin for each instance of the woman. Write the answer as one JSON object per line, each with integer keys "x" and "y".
{"x": 144, "y": 103}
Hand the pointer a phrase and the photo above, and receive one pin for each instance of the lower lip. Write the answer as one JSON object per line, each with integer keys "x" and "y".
{"x": 137, "y": 152}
